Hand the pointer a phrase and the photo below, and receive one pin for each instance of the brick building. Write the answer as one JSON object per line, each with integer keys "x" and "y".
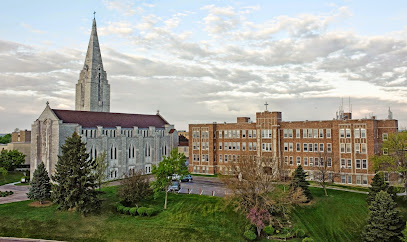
{"x": 346, "y": 144}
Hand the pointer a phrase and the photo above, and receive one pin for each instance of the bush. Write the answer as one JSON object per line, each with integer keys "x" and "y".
{"x": 307, "y": 240}
{"x": 269, "y": 230}
{"x": 126, "y": 210}
{"x": 134, "y": 188}
{"x": 250, "y": 235}
{"x": 133, "y": 211}
{"x": 142, "y": 211}
{"x": 120, "y": 208}
{"x": 299, "y": 233}
{"x": 249, "y": 227}
{"x": 6, "y": 193}
{"x": 150, "y": 211}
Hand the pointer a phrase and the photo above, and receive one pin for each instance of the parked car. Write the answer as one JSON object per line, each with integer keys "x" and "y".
{"x": 187, "y": 178}
{"x": 175, "y": 186}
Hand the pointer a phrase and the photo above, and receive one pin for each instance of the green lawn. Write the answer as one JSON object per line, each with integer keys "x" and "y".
{"x": 189, "y": 217}
{"x": 12, "y": 176}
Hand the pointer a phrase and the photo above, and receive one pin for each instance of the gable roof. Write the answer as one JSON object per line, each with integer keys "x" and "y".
{"x": 110, "y": 120}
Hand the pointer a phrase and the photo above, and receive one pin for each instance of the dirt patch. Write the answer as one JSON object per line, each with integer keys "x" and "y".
{"x": 38, "y": 204}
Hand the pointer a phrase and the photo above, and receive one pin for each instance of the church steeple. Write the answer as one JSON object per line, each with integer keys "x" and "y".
{"x": 93, "y": 90}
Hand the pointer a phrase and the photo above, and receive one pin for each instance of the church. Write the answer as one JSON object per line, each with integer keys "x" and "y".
{"x": 131, "y": 141}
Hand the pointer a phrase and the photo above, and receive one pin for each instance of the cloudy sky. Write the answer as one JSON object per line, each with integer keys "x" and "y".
{"x": 205, "y": 61}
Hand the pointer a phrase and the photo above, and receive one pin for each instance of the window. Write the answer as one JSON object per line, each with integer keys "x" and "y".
{"x": 267, "y": 147}
{"x": 243, "y": 133}
{"x": 238, "y": 134}
{"x": 297, "y": 133}
{"x": 349, "y": 163}
{"x": 364, "y": 164}
{"x": 243, "y": 145}
{"x": 285, "y": 146}
{"x": 250, "y": 145}
{"x": 305, "y": 149}
{"x": 328, "y": 133}
{"x": 343, "y": 179}
{"x": 290, "y": 133}
{"x": 385, "y": 151}
{"x": 310, "y": 147}
{"x": 357, "y": 148}
{"x": 254, "y": 133}
{"x": 316, "y": 161}
{"x": 220, "y": 158}
{"x": 329, "y": 147}
{"x": 238, "y": 145}
{"x": 298, "y": 160}
{"x": 250, "y": 133}
{"x": 234, "y": 146}
{"x": 285, "y": 133}
{"x": 255, "y": 146}
{"x": 357, "y": 164}
{"x": 342, "y": 133}
{"x": 342, "y": 147}
{"x": 304, "y": 133}
{"x": 363, "y": 133}
{"x": 348, "y": 148}
{"x": 315, "y": 131}
{"x": 364, "y": 180}
{"x": 321, "y": 147}
{"x": 305, "y": 161}
{"x": 363, "y": 146}
{"x": 349, "y": 179}
{"x": 358, "y": 180}
{"x": 286, "y": 160}
{"x": 220, "y": 145}
{"x": 316, "y": 147}
{"x": 311, "y": 161}
{"x": 343, "y": 163}
{"x": 298, "y": 147}
{"x": 385, "y": 136}
{"x": 309, "y": 133}
{"x": 347, "y": 133}
{"x": 321, "y": 133}
{"x": 356, "y": 133}
{"x": 267, "y": 133}
{"x": 329, "y": 162}
{"x": 291, "y": 161}
{"x": 226, "y": 146}
{"x": 226, "y": 158}
{"x": 290, "y": 146}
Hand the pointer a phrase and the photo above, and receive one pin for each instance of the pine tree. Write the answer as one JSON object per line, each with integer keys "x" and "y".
{"x": 40, "y": 189}
{"x": 299, "y": 181}
{"x": 378, "y": 184}
{"x": 76, "y": 179}
{"x": 384, "y": 223}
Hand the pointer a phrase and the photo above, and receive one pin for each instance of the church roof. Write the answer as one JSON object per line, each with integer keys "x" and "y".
{"x": 110, "y": 120}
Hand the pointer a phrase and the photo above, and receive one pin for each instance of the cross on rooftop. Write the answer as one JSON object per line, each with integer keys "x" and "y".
{"x": 94, "y": 14}
{"x": 266, "y": 104}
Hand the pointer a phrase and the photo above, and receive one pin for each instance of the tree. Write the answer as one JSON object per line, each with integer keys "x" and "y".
{"x": 3, "y": 172}
{"x": 172, "y": 164}
{"x": 299, "y": 181}
{"x": 404, "y": 232}
{"x": 133, "y": 188}
{"x": 40, "y": 189}
{"x": 378, "y": 184}
{"x": 101, "y": 166}
{"x": 255, "y": 191}
{"x": 10, "y": 159}
{"x": 325, "y": 171}
{"x": 394, "y": 156}
{"x": 384, "y": 223}
{"x": 75, "y": 178}
{"x": 5, "y": 139}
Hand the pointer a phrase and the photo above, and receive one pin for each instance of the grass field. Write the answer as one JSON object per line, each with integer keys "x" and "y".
{"x": 12, "y": 176}
{"x": 339, "y": 217}
{"x": 188, "y": 218}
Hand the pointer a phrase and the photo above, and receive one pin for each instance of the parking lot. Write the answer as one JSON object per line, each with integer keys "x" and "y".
{"x": 210, "y": 186}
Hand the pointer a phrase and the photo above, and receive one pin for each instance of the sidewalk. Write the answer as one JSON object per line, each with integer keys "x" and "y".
{"x": 12, "y": 239}
{"x": 20, "y": 193}
{"x": 340, "y": 189}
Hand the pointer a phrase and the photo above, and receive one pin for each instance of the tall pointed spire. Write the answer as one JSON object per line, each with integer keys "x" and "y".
{"x": 93, "y": 90}
{"x": 93, "y": 56}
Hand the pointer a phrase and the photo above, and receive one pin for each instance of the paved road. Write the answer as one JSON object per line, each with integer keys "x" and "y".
{"x": 20, "y": 193}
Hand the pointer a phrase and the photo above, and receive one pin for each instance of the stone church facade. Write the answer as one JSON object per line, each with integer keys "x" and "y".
{"x": 131, "y": 141}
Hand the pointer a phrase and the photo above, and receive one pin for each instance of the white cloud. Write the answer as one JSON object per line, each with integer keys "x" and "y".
{"x": 124, "y": 7}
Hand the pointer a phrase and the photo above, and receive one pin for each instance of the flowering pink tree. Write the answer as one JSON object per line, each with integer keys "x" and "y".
{"x": 258, "y": 217}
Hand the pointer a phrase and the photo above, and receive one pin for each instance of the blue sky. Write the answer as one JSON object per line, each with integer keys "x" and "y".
{"x": 205, "y": 61}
